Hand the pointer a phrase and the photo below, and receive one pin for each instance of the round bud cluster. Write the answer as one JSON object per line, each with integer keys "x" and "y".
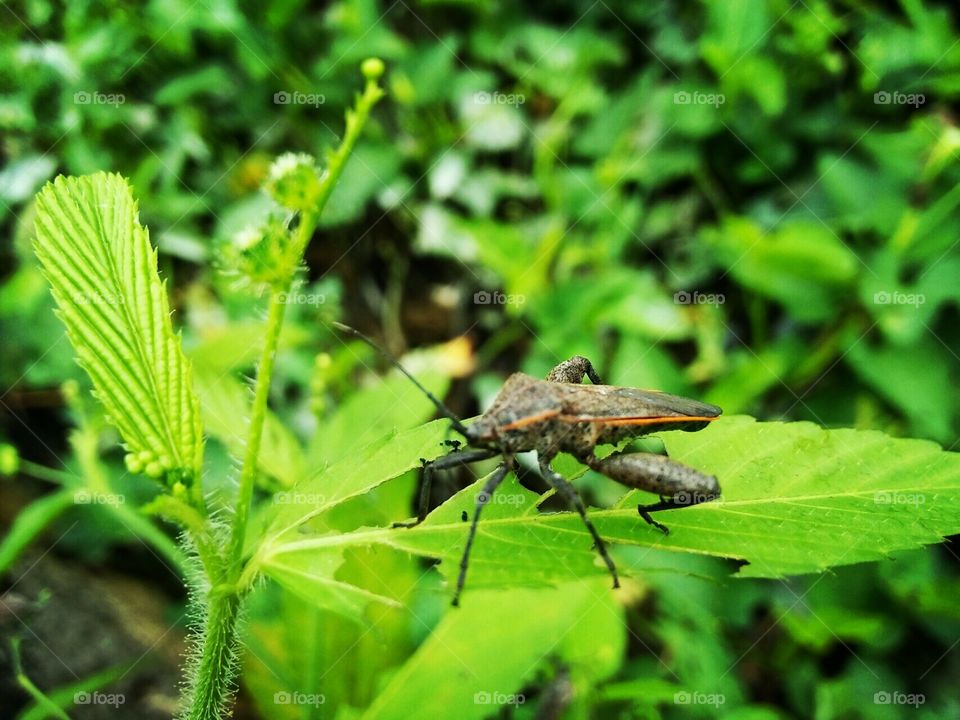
{"x": 294, "y": 181}
{"x": 149, "y": 463}
{"x": 9, "y": 459}
{"x": 258, "y": 254}
{"x": 372, "y": 68}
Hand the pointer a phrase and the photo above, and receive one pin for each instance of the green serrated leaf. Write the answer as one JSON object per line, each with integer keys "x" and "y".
{"x": 103, "y": 272}
{"x": 796, "y": 499}
{"x": 311, "y": 575}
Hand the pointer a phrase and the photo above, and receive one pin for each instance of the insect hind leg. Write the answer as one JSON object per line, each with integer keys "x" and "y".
{"x": 674, "y": 503}
{"x": 677, "y": 485}
{"x": 569, "y": 493}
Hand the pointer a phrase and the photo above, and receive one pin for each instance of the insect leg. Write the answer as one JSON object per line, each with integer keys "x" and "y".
{"x": 482, "y": 499}
{"x": 573, "y": 370}
{"x": 677, "y": 485}
{"x": 454, "y": 459}
{"x": 569, "y": 493}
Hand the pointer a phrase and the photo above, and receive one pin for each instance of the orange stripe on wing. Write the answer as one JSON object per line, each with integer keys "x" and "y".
{"x": 616, "y": 421}
{"x": 530, "y": 420}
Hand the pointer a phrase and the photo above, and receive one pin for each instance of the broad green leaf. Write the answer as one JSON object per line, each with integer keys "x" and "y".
{"x": 579, "y": 624}
{"x": 103, "y": 272}
{"x": 312, "y": 575}
{"x": 796, "y": 499}
{"x": 382, "y": 460}
{"x": 393, "y": 403}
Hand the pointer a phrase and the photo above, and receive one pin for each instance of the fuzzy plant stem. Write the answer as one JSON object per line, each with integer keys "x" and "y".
{"x": 212, "y": 682}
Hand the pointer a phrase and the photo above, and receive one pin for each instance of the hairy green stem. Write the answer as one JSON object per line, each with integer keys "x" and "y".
{"x": 213, "y": 674}
{"x": 248, "y": 473}
{"x": 212, "y": 677}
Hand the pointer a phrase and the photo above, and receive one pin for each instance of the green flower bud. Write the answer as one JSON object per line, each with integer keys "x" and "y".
{"x": 70, "y": 390}
{"x": 294, "y": 181}
{"x": 9, "y": 459}
{"x": 133, "y": 463}
{"x": 372, "y": 68}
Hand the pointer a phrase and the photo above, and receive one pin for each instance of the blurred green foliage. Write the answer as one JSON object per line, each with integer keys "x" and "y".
{"x": 752, "y": 201}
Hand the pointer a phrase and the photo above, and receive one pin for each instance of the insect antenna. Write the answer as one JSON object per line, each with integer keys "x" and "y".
{"x": 444, "y": 410}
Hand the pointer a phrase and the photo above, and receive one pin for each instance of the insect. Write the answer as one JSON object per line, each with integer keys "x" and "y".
{"x": 560, "y": 414}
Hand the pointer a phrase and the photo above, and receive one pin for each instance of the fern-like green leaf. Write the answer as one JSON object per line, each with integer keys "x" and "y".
{"x": 796, "y": 499}
{"x": 103, "y": 272}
